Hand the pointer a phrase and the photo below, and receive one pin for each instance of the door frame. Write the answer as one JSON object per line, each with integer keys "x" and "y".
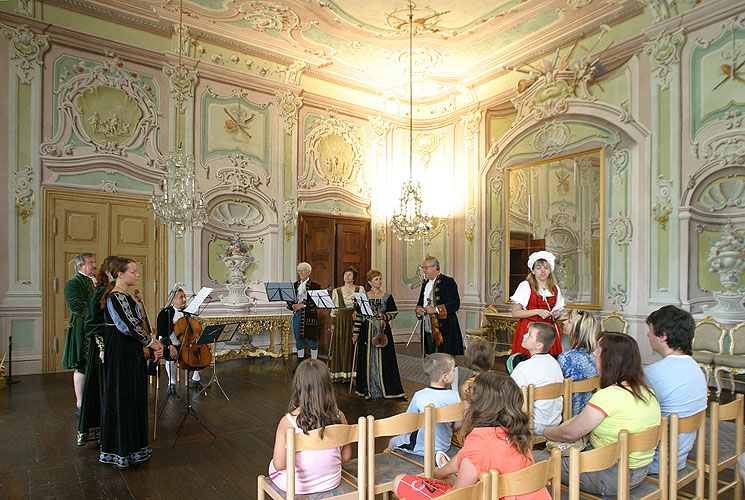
{"x": 49, "y": 196}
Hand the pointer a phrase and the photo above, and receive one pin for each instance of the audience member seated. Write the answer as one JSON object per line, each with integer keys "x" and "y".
{"x": 540, "y": 369}
{"x": 582, "y": 329}
{"x": 677, "y": 380}
{"x": 624, "y": 401}
{"x": 497, "y": 437}
{"x": 313, "y": 407}
{"x": 440, "y": 370}
{"x": 479, "y": 359}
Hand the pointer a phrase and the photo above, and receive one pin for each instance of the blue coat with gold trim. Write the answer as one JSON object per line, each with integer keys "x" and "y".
{"x": 445, "y": 292}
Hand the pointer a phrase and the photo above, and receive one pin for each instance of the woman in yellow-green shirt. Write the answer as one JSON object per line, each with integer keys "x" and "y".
{"x": 624, "y": 401}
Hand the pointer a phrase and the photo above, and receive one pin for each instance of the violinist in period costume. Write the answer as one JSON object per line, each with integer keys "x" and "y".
{"x": 167, "y": 317}
{"x": 438, "y": 302}
{"x": 305, "y": 318}
{"x": 124, "y": 407}
{"x": 377, "y": 367}
{"x": 77, "y": 290}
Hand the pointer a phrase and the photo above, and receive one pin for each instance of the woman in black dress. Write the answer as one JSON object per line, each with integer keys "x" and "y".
{"x": 124, "y": 409}
{"x": 377, "y": 368}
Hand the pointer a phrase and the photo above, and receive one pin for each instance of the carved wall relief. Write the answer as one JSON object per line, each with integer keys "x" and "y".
{"x": 333, "y": 155}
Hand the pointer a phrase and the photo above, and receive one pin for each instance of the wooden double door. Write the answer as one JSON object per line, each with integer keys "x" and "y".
{"x": 102, "y": 224}
{"x": 330, "y": 245}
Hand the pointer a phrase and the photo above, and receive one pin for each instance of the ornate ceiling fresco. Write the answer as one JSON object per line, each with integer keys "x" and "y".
{"x": 364, "y": 43}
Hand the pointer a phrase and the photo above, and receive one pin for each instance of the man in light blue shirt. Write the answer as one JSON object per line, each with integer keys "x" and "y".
{"x": 678, "y": 382}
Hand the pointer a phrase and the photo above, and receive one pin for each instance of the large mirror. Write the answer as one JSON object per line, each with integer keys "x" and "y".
{"x": 557, "y": 205}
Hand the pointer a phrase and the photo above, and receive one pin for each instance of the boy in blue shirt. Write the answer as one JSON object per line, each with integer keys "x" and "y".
{"x": 440, "y": 370}
{"x": 677, "y": 381}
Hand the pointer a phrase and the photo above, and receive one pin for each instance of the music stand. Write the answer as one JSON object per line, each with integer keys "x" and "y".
{"x": 214, "y": 334}
{"x": 364, "y": 305}
{"x": 278, "y": 291}
{"x": 322, "y": 300}
{"x": 189, "y": 408}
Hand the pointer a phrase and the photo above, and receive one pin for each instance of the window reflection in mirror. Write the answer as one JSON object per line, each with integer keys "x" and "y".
{"x": 557, "y": 205}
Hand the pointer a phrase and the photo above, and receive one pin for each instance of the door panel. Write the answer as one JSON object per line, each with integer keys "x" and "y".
{"x": 81, "y": 227}
{"x": 352, "y": 249}
{"x": 103, "y": 224}
{"x": 318, "y": 235}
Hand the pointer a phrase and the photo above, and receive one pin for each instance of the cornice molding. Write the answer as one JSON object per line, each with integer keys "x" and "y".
{"x": 697, "y": 18}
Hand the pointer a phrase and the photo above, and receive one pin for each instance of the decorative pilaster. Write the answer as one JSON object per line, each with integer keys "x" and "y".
{"x": 289, "y": 105}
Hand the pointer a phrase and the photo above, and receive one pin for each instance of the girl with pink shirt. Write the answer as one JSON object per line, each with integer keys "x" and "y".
{"x": 312, "y": 406}
{"x": 497, "y": 437}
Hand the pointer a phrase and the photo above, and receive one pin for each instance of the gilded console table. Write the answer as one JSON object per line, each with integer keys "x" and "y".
{"x": 252, "y": 325}
{"x": 501, "y": 328}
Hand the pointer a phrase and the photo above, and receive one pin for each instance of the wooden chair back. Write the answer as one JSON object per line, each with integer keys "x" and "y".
{"x": 648, "y": 439}
{"x": 450, "y": 413}
{"x": 679, "y": 479}
{"x": 723, "y": 413}
{"x": 550, "y": 391}
{"x": 333, "y": 436}
{"x": 529, "y": 479}
{"x": 591, "y": 461}
{"x": 402, "y": 423}
{"x": 478, "y": 491}
{"x": 571, "y": 387}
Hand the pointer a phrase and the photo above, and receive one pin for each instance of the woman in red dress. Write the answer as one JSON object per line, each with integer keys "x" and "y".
{"x": 538, "y": 298}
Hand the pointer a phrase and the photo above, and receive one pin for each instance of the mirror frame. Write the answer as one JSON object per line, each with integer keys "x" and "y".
{"x": 601, "y": 247}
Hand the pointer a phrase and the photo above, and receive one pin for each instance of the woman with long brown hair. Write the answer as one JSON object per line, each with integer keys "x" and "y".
{"x": 498, "y": 437}
{"x": 624, "y": 401}
{"x": 124, "y": 408}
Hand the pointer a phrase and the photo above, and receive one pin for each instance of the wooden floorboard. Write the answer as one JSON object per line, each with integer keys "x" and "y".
{"x": 40, "y": 460}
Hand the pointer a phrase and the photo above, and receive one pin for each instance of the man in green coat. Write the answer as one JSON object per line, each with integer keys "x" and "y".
{"x": 77, "y": 290}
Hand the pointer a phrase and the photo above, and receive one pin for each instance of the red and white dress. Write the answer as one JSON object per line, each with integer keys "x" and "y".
{"x": 527, "y": 297}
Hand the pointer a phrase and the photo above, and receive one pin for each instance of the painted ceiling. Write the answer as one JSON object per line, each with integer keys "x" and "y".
{"x": 364, "y": 44}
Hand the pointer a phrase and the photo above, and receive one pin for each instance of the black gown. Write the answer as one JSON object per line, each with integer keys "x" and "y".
{"x": 124, "y": 409}
{"x": 89, "y": 423}
{"x": 377, "y": 368}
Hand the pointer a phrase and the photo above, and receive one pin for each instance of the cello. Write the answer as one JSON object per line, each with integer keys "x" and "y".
{"x": 192, "y": 356}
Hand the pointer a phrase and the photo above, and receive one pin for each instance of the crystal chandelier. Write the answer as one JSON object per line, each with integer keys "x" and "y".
{"x": 409, "y": 222}
{"x": 181, "y": 207}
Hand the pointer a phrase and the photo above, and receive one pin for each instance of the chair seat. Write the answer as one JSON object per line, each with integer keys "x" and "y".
{"x": 388, "y": 466}
{"x": 642, "y": 490}
{"x": 733, "y": 361}
{"x": 452, "y": 451}
{"x": 343, "y": 489}
{"x": 704, "y": 357}
{"x": 686, "y": 475}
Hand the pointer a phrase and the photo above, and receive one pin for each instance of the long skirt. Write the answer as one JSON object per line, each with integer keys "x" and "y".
{"x": 124, "y": 409}
{"x": 342, "y": 350}
{"x": 89, "y": 423}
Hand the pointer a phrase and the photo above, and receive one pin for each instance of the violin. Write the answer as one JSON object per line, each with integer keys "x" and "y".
{"x": 192, "y": 356}
{"x": 145, "y": 323}
{"x": 379, "y": 338}
{"x": 441, "y": 314}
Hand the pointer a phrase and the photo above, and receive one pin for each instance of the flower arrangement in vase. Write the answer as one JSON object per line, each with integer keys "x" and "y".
{"x": 237, "y": 257}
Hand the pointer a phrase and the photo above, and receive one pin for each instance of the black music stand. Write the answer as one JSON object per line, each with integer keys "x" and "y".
{"x": 214, "y": 334}
{"x": 323, "y": 300}
{"x": 278, "y": 291}
{"x": 189, "y": 408}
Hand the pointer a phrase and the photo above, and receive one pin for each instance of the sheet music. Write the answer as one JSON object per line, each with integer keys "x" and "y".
{"x": 196, "y": 302}
{"x": 321, "y": 299}
{"x": 364, "y": 303}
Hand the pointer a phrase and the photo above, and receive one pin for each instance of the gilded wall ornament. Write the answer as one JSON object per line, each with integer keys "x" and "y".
{"x": 289, "y": 217}
{"x": 471, "y": 123}
{"x": 471, "y": 219}
{"x": 552, "y": 138}
{"x": 380, "y": 129}
{"x": 288, "y": 104}
{"x": 664, "y": 55}
{"x": 24, "y": 192}
{"x": 662, "y": 207}
{"x": 181, "y": 85}
{"x": 26, "y": 50}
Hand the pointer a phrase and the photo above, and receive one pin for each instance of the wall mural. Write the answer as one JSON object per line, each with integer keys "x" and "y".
{"x": 103, "y": 106}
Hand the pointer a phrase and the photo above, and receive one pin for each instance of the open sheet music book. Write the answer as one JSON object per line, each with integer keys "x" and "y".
{"x": 321, "y": 299}
{"x": 364, "y": 303}
{"x": 196, "y": 302}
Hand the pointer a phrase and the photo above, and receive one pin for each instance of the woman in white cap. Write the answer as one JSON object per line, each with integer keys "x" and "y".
{"x": 538, "y": 298}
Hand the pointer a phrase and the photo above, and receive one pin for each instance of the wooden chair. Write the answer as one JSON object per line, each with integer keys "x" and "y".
{"x": 717, "y": 414}
{"x": 529, "y": 479}
{"x": 479, "y": 491}
{"x": 615, "y": 322}
{"x": 382, "y": 468}
{"x": 571, "y": 387}
{"x": 605, "y": 456}
{"x": 708, "y": 341}
{"x": 333, "y": 436}
{"x": 550, "y": 391}
{"x": 694, "y": 469}
{"x": 734, "y": 361}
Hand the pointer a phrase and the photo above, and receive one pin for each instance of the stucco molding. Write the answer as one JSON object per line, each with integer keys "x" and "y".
{"x": 288, "y": 104}
{"x": 664, "y": 55}
{"x": 26, "y": 50}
